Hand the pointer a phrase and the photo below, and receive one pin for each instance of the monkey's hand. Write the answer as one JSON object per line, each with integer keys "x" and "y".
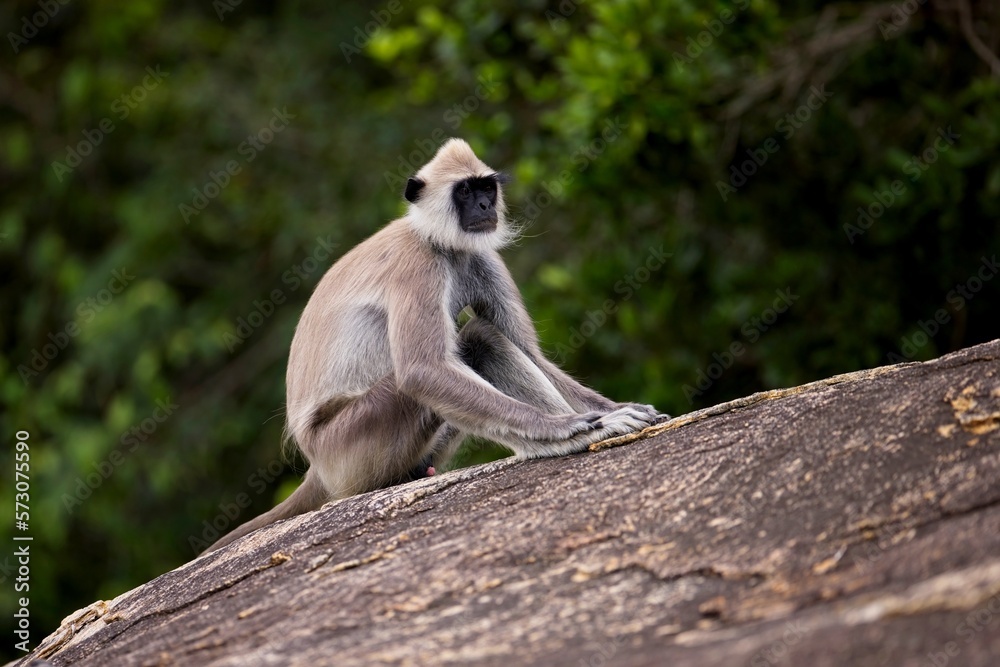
{"x": 601, "y": 426}
{"x": 567, "y": 427}
{"x": 626, "y": 419}
{"x": 654, "y": 415}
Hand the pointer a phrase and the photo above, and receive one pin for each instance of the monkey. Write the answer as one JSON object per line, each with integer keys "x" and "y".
{"x": 383, "y": 384}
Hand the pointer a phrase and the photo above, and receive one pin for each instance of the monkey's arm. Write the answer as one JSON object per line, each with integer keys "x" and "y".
{"x": 584, "y": 398}
{"x": 510, "y": 315}
{"x": 423, "y": 346}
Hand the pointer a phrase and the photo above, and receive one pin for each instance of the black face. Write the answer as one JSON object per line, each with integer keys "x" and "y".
{"x": 475, "y": 200}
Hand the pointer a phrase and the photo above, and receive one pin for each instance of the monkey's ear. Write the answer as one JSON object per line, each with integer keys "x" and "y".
{"x": 503, "y": 178}
{"x": 413, "y": 188}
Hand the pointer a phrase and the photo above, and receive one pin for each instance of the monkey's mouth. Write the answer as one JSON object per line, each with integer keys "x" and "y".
{"x": 482, "y": 225}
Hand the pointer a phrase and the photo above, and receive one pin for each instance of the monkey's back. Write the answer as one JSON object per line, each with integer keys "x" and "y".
{"x": 340, "y": 346}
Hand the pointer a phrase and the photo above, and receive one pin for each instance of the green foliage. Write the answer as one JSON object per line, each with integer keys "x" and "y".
{"x": 169, "y": 328}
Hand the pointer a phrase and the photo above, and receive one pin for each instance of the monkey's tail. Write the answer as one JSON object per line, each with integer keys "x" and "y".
{"x": 309, "y": 496}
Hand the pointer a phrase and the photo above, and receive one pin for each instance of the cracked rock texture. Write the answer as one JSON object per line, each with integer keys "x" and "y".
{"x": 853, "y": 521}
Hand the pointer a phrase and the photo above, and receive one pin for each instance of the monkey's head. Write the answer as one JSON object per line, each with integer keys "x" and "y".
{"x": 456, "y": 201}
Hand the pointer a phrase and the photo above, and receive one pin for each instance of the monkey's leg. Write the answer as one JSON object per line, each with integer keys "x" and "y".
{"x": 494, "y": 358}
{"x": 444, "y": 445}
{"x": 439, "y": 450}
{"x": 354, "y": 445}
{"x": 583, "y": 398}
{"x": 498, "y": 361}
{"x": 374, "y": 441}
{"x": 501, "y": 363}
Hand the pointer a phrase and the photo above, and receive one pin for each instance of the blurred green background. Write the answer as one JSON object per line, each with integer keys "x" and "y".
{"x": 721, "y": 198}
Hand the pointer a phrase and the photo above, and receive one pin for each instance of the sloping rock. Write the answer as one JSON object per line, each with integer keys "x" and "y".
{"x": 853, "y": 521}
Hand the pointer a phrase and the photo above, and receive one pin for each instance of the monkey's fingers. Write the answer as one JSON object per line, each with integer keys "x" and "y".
{"x": 587, "y": 422}
{"x": 630, "y": 411}
{"x": 651, "y": 412}
{"x": 592, "y": 421}
{"x": 624, "y": 420}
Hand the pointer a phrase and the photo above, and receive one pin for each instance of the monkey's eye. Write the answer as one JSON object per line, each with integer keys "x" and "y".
{"x": 465, "y": 191}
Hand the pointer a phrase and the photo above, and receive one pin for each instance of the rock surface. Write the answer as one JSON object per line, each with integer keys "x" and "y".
{"x": 853, "y": 521}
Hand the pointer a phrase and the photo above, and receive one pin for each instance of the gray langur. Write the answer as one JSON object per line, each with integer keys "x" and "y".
{"x": 382, "y": 383}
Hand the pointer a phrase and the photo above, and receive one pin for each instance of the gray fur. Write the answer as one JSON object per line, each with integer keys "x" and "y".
{"x": 381, "y": 380}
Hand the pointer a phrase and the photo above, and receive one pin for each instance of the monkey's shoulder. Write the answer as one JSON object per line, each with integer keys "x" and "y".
{"x": 392, "y": 252}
